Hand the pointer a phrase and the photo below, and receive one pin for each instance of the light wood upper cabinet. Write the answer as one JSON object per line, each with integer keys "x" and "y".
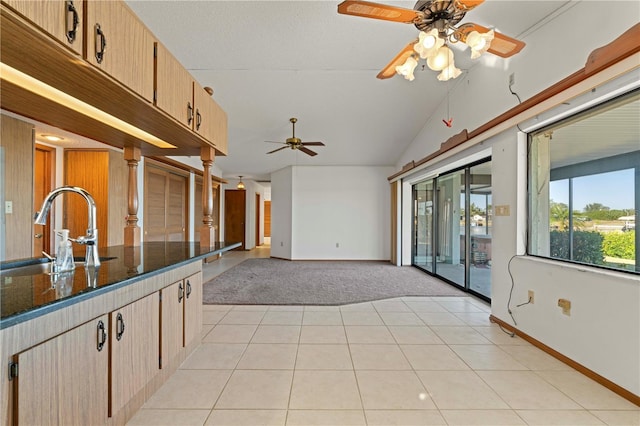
{"x": 64, "y": 381}
{"x": 180, "y": 96}
{"x": 62, "y": 19}
{"x": 174, "y": 87}
{"x": 119, "y": 44}
{"x": 211, "y": 120}
{"x": 134, "y": 347}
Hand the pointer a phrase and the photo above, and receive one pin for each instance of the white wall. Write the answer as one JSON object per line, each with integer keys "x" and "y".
{"x": 603, "y": 331}
{"x": 337, "y": 212}
{"x": 281, "y": 212}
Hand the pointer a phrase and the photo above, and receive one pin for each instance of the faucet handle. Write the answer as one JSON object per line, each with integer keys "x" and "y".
{"x": 48, "y": 256}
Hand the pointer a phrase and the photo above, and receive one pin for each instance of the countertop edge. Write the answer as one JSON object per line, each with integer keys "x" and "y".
{"x": 82, "y": 297}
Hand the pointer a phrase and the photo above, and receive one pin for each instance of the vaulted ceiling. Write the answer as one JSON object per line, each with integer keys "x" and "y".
{"x": 268, "y": 61}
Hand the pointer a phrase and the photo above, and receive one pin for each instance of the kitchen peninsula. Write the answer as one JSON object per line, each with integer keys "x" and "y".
{"x": 93, "y": 353}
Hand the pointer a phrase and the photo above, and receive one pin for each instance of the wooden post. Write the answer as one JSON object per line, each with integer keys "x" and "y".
{"x": 132, "y": 230}
{"x": 207, "y": 232}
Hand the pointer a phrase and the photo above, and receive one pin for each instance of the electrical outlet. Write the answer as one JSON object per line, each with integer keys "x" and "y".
{"x": 8, "y": 207}
{"x": 512, "y": 79}
{"x": 531, "y": 296}
{"x": 565, "y": 305}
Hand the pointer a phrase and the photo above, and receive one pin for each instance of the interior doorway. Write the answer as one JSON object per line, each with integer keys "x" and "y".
{"x": 42, "y": 185}
{"x": 235, "y": 204}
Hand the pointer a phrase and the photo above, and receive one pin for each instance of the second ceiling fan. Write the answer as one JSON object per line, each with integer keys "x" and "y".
{"x": 436, "y": 20}
{"x": 296, "y": 143}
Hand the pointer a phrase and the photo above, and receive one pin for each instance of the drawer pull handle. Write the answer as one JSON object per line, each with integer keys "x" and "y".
{"x": 119, "y": 326}
{"x": 72, "y": 21}
{"x": 198, "y": 119}
{"x": 102, "y": 335}
{"x": 101, "y": 44}
{"x": 180, "y": 292}
{"x": 189, "y": 113}
{"x": 188, "y": 289}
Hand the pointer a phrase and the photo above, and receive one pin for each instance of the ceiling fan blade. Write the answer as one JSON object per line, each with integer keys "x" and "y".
{"x": 384, "y": 12}
{"x": 501, "y": 45}
{"x": 276, "y": 150}
{"x": 467, "y": 5}
{"x": 307, "y": 151}
{"x": 390, "y": 70}
{"x": 312, "y": 144}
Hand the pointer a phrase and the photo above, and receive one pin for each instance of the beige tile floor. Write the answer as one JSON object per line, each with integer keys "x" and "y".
{"x": 405, "y": 361}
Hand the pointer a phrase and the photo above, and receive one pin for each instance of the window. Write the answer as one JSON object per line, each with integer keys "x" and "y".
{"x": 584, "y": 187}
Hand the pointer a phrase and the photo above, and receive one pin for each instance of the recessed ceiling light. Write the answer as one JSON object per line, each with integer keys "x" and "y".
{"x": 53, "y": 138}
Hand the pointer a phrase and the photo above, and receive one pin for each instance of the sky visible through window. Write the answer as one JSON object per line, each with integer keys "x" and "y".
{"x": 615, "y": 190}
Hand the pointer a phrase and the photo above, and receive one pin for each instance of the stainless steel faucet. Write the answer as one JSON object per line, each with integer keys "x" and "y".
{"x": 91, "y": 239}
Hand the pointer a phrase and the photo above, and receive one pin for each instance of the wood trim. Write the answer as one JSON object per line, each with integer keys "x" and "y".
{"x": 599, "y": 59}
{"x": 178, "y": 165}
{"x": 628, "y": 395}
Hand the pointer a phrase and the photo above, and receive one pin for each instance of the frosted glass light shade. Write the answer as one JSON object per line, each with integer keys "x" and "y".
{"x": 449, "y": 72}
{"x": 441, "y": 59}
{"x": 406, "y": 69}
{"x": 479, "y": 43}
{"x": 428, "y": 44}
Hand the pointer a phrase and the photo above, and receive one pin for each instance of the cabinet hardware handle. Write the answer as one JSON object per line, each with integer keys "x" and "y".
{"x": 119, "y": 326}
{"x": 180, "y": 292}
{"x": 102, "y": 335}
{"x": 101, "y": 44}
{"x": 189, "y": 113}
{"x": 188, "y": 289}
{"x": 72, "y": 21}
{"x": 198, "y": 119}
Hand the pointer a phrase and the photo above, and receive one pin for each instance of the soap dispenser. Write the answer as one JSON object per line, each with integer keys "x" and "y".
{"x": 64, "y": 254}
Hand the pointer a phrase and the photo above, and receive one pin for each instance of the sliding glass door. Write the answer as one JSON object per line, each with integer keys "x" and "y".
{"x": 481, "y": 221}
{"x": 450, "y": 245}
{"x": 423, "y": 225}
{"x": 452, "y": 221}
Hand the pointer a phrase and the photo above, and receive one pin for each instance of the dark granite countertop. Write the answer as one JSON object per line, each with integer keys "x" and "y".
{"x": 27, "y": 293}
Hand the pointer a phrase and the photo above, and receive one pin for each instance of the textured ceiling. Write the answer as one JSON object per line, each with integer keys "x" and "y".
{"x": 268, "y": 61}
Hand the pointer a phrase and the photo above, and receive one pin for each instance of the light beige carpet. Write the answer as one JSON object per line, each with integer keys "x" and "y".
{"x": 283, "y": 282}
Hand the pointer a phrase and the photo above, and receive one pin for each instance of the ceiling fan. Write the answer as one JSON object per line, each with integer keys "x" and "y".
{"x": 296, "y": 143}
{"x": 436, "y": 20}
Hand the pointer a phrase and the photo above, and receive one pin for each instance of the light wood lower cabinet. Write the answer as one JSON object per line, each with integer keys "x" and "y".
{"x": 102, "y": 371}
{"x": 64, "y": 381}
{"x": 181, "y": 313}
{"x": 134, "y": 347}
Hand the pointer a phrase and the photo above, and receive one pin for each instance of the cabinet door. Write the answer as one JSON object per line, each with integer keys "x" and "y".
{"x": 219, "y": 132}
{"x": 174, "y": 87}
{"x": 211, "y": 120}
{"x": 120, "y": 44}
{"x": 171, "y": 322}
{"x": 135, "y": 349}
{"x": 62, "y": 19}
{"x": 192, "y": 308}
{"x": 64, "y": 381}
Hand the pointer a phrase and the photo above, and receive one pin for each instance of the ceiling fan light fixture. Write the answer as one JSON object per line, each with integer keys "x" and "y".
{"x": 479, "y": 43}
{"x": 240, "y": 183}
{"x": 428, "y": 43}
{"x": 449, "y": 72}
{"x": 406, "y": 69}
{"x": 441, "y": 60}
